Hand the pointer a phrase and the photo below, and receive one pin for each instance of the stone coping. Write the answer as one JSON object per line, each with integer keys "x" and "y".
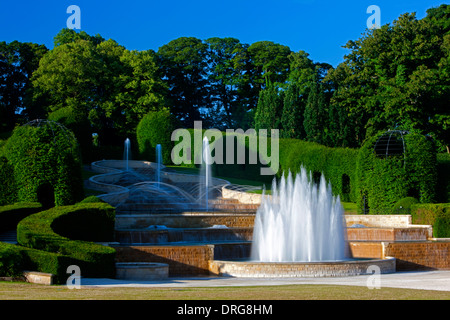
{"x": 302, "y": 269}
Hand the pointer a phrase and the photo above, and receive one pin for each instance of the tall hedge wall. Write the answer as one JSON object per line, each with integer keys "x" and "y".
{"x": 337, "y": 164}
{"x": 45, "y": 162}
{"x": 382, "y": 181}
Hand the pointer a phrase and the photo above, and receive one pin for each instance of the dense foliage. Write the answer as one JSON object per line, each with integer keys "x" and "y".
{"x": 48, "y": 232}
{"x": 382, "y": 179}
{"x": 397, "y": 75}
{"x": 435, "y": 214}
{"x": 155, "y": 128}
{"x": 46, "y": 165}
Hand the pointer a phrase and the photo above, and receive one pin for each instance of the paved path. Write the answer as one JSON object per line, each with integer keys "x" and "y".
{"x": 427, "y": 280}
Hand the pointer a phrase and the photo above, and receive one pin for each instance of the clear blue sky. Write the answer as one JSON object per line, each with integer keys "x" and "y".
{"x": 319, "y": 27}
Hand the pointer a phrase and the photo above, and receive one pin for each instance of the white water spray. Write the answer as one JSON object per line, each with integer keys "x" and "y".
{"x": 126, "y": 153}
{"x": 158, "y": 164}
{"x": 206, "y": 171}
{"x": 302, "y": 221}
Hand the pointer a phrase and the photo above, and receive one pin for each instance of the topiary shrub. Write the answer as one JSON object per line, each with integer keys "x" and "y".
{"x": 46, "y": 164}
{"x": 48, "y": 231}
{"x": 156, "y": 128}
{"x": 10, "y": 215}
{"x": 79, "y": 124}
{"x": 403, "y": 206}
{"x": 383, "y": 179}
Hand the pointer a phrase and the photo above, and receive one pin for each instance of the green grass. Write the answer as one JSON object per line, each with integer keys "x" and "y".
{"x": 22, "y": 291}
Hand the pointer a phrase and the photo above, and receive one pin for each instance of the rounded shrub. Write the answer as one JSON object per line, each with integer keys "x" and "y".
{"x": 79, "y": 124}
{"x": 403, "y": 206}
{"x": 46, "y": 164}
{"x": 155, "y": 128}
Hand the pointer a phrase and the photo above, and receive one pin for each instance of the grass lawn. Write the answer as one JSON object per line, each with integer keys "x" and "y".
{"x": 22, "y": 290}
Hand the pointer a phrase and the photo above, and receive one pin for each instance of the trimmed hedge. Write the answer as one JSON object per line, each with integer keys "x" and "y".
{"x": 41, "y": 231}
{"x": 45, "y": 163}
{"x": 155, "y": 128}
{"x": 403, "y": 206}
{"x": 382, "y": 181}
{"x": 337, "y": 164}
{"x": 443, "y": 168}
{"x": 15, "y": 259}
{"x": 10, "y": 215}
{"x": 435, "y": 214}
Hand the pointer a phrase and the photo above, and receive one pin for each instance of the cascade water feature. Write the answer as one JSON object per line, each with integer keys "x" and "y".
{"x": 301, "y": 222}
{"x": 126, "y": 153}
{"x": 206, "y": 172}
{"x": 158, "y": 164}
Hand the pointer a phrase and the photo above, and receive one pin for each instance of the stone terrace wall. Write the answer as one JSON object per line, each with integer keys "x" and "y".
{"x": 420, "y": 255}
{"x": 182, "y": 260}
{"x": 409, "y": 256}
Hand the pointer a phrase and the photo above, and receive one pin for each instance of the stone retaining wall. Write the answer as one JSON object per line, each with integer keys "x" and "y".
{"x": 182, "y": 260}
{"x": 412, "y": 255}
{"x": 185, "y": 220}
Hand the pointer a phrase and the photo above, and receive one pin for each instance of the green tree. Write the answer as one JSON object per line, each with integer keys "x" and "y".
{"x": 316, "y": 116}
{"x": 270, "y": 61}
{"x": 226, "y": 111}
{"x": 18, "y": 61}
{"x": 183, "y": 65}
{"x": 302, "y": 76}
{"x": 105, "y": 83}
{"x": 397, "y": 76}
{"x": 269, "y": 110}
{"x": 69, "y": 35}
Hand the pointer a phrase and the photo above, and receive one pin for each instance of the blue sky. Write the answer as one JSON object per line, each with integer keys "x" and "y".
{"x": 319, "y": 27}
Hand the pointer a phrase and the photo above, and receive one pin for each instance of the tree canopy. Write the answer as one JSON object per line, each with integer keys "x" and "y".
{"x": 397, "y": 76}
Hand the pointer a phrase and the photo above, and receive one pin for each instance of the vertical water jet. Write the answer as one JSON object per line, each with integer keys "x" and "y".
{"x": 126, "y": 153}
{"x": 301, "y": 222}
{"x": 206, "y": 172}
{"x": 158, "y": 164}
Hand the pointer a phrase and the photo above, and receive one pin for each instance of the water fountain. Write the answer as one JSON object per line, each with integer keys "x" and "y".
{"x": 301, "y": 221}
{"x": 299, "y": 231}
{"x": 158, "y": 164}
{"x": 296, "y": 232}
{"x": 206, "y": 172}
{"x": 126, "y": 153}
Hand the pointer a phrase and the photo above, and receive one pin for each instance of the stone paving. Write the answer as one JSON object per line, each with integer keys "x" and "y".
{"x": 426, "y": 280}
